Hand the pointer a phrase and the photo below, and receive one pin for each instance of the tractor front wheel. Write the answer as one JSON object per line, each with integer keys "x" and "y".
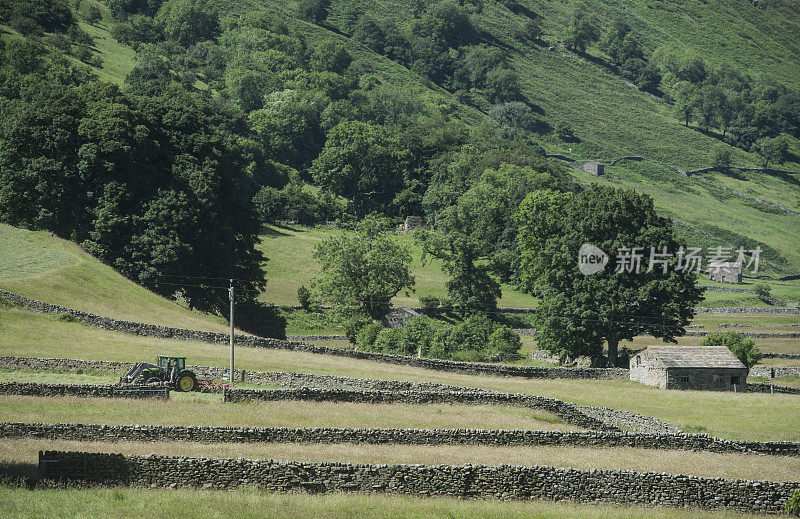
{"x": 187, "y": 382}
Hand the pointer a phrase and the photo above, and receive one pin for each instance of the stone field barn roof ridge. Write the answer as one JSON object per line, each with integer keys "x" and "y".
{"x": 694, "y": 356}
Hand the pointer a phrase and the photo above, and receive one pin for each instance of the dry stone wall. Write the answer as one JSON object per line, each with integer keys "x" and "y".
{"x": 776, "y": 371}
{"x": 615, "y": 419}
{"x": 765, "y": 310}
{"x": 327, "y": 435}
{"x": 82, "y": 390}
{"x": 464, "y": 481}
{"x": 758, "y": 387}
{"x": 472, "y": 368}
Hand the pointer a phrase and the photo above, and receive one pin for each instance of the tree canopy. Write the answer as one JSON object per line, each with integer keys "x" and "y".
{"x": 578, "y": 312}
{"x": 744, "y": 349}
{"x": 364, "y": 269}
{"x": 152, "y": 186}
{"x": 362, "y": 162}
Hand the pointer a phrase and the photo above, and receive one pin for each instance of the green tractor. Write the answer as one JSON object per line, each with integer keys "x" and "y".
{"x": 170, "y": 369}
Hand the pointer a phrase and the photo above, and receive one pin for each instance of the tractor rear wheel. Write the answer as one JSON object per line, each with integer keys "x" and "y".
{"x": 187, "y": 382}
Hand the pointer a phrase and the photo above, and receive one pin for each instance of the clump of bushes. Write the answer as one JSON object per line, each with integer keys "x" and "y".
{"x": 66, "y": 317}
{"x": 763, "y": 291}
{"x": 295, "y": 204}
{"x": 744, "y": 349}
{"x": 365, "y": 338}
{"x": 429, "y": 303}
{"x": 353, "y": 325}
{"x": 477, "y": 339}
{"x": 304, "y": 297}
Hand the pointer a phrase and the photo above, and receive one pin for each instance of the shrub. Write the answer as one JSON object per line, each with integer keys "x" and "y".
{"x": 354, "y": 325}
{"x": 136, "y": 30}
{"x": 83, "y": 54}
{"x": 744, "y": 349}
{"x": 504, "y": 341}
{"x": 304, "y": 297}
{"x": 93, "y": 15}
{"x": 79, "y": 37}
{"x": 763, "y": 291}
{"x": 67, "y": 318}
{"x": 366, "y": 336}
{"x": 416, "y": 337}
{"x": 387, "y": 341}
{"x": 468, "y": 356}
{"x": 565, "y": 133}
{"x": 722, "y": 158}
{"x": 59, "y": 41}
{"x": 446, "y": 304}
{"x": 313, "y": 10}
{"x": 429, "y": 303}
{"x": 530, "y": 30}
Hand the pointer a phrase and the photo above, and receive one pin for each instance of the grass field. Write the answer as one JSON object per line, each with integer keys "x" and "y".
{"x": 51, "y": 377}
{"x": 208, "y": 409}
{"x": 706, "y": 464}
{"x": 40, "y": 266}
{"x": 251, "y": 503}
{"x": 758, "y": 416}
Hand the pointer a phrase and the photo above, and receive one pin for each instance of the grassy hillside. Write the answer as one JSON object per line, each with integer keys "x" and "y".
{"x": 291, "y": 264}
{"x": 40, "y": 266}
{"x": 610, "y": 117}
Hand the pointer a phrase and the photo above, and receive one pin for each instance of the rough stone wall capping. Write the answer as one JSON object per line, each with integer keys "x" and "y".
{"x": 335, "y": 435}
{"x": 472, "y": 368}
{"x": 82, "y": 390}
{"x": 781, "y": 355}
{"x": 463, "y": 481}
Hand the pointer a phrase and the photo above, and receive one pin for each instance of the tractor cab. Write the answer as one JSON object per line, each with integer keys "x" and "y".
{"x": 171, "y": 362}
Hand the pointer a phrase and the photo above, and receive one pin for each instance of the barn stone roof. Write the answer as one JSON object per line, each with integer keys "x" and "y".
{"x": 693, "y": 357}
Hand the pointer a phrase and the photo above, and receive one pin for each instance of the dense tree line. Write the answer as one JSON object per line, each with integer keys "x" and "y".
{"x": 156, "y": 187}
{"x": 749, "y": 112}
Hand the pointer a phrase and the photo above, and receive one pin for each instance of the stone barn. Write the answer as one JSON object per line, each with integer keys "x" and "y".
{"x": 689, "y": 367}
{"x": 593, "y": 168}
{"x": 411, "y": 224}
{"x": 726, "y": 272}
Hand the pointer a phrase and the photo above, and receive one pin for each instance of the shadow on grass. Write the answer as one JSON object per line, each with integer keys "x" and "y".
{"x": 274, "y": 231}
{"x": 262, "y": 319}
{"x": 786, "y": 177}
